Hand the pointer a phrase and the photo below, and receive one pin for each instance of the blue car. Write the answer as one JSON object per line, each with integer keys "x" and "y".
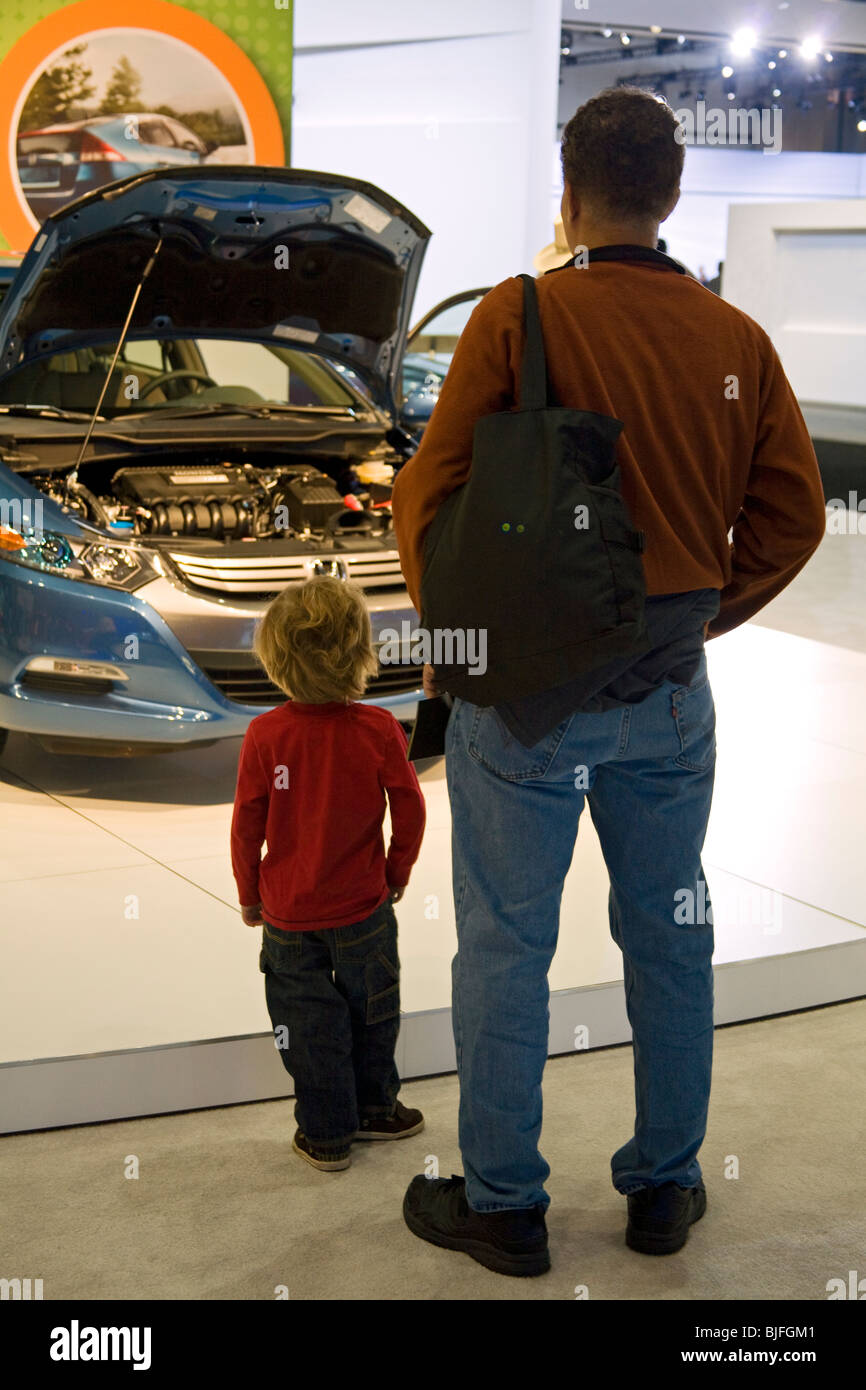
{"x": 64, "y": 161}
{"x": 200, "y": 402}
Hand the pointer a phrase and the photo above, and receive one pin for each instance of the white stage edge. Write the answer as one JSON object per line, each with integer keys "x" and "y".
{"x": 54, "y": 1092}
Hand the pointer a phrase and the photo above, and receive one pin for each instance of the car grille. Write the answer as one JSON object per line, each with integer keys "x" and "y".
{"x": 262, "y": 576}
{"x": 248, "y": 685}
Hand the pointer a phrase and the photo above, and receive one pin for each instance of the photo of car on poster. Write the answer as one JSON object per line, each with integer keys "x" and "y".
{"x": 88, "y": 97}
{"x": 116, "y": 103}
{"x": 163, "y": 478}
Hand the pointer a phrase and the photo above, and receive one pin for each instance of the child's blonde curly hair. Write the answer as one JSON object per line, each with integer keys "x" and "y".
{"x": 315, "y": 641}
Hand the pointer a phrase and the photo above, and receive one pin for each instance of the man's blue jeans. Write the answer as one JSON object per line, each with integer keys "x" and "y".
{"x": 647, "y": 772}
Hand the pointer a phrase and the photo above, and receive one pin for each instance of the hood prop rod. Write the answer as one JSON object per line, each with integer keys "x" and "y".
{"x": 72, "y": 477}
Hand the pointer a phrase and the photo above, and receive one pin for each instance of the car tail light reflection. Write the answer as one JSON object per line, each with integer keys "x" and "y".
{"x": 94, "y": 150}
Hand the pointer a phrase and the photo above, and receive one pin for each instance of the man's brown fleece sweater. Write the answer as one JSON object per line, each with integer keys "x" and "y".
{"x": 713, "y": 438}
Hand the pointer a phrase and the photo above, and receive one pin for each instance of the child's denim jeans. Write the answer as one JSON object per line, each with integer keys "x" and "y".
{"x": 334, "y": 1001}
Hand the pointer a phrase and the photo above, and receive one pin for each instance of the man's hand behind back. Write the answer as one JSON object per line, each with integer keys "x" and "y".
{"x": 430, "y": 689}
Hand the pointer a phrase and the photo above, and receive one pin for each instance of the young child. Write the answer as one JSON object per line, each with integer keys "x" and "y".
{"x": 312, "y": 781}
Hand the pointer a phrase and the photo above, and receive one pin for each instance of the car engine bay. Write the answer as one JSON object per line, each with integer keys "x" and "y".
{"x": 212, "y": 496}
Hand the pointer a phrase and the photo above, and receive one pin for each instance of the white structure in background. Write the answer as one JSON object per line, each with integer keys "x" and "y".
{"x": 799, "y": 269}
{"x": 450, "y": 108}
{"x": 717, "y": 180}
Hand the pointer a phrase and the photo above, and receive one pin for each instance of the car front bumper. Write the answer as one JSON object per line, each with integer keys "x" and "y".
{"x": 167, "y": 700}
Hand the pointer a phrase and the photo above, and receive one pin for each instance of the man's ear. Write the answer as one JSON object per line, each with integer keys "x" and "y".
{"x": 567, "y": 206}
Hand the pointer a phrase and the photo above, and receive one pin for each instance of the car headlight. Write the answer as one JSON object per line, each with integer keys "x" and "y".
{"x": 118, "y": 566}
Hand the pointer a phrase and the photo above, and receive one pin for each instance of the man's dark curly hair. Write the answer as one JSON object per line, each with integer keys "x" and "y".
{"x": 620, "y": 152}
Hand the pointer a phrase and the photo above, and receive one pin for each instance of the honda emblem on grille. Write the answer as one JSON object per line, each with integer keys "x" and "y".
{"x": 333, "y": 569}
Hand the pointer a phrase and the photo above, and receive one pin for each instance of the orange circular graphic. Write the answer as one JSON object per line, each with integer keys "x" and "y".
{"x": 24, "y": 61}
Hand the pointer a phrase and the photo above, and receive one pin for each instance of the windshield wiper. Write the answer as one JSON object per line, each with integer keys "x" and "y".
{"x": 258, "y": 412}
{"x": 54, "y": 411}
{"x": 182, "y": 411}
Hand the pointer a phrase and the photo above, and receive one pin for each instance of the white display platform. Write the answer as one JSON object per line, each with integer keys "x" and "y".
{"x": 106, "y": 1014}
{"x": 799, "y": 269}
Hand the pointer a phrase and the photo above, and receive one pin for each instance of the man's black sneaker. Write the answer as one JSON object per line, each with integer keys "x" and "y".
{"x": 329, "y": 1160}
{"x": 509, "y": 1242}
{"x": 659, "y": 1217}
{"x": 397, "y": 1126}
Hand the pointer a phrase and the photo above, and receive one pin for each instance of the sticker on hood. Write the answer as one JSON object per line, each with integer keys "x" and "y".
{"x": 367, "y": 213}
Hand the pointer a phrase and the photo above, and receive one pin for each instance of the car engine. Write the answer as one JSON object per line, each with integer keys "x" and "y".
{"x": 224, "y": 501}
{"x": 190, "y": 501}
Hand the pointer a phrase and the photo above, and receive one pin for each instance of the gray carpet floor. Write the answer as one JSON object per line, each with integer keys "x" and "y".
{"x": 223, "y": 1209}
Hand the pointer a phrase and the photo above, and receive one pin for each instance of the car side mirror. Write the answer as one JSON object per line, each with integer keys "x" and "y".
{"x": 418, "y": 405}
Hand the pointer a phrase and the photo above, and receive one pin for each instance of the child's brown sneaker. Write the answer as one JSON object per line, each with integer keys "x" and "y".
{"x": 399, "y": 1126}
{"x": 330, "y": 1160}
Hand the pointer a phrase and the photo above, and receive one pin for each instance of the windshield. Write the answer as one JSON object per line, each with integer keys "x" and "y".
{"x": 151, "y": 375}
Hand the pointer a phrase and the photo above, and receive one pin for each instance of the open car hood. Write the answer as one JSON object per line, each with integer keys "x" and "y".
{"x": 304, "y": 259}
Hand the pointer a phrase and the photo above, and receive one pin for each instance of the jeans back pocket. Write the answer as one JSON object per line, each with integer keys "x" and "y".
{"x": 278, "y": 948}
{"x": 490, "y": 743}
{"x": 695, "y": 715}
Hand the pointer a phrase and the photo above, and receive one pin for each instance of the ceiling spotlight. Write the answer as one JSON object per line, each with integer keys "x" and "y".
{"x": 731, "y": 96}
{"x": 655, "y": 28}
{"x": 606, "y": 33}
{"x": 625, "y": 39}
{"x": 783, "y": 52}
{"x": 727, "y": 71}
{"x": 771, "y": 64}
{"x": 777, "y": 91}
{"x": 681, "y": 38}
{"x": 861, "y": 126}
{"x": 810, "y": 48}
{"x": 829, "y": 57}
{"x": 743, "y": 41}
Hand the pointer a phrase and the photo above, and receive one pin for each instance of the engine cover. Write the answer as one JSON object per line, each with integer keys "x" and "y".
{"x": 310, "y": 498}
{"x": 191, "y": 500}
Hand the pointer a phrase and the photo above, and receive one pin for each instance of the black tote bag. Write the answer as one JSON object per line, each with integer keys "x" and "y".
{"x": 534, "y": 560}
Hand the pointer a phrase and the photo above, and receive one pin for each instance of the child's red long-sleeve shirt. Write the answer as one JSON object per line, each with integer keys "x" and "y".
{"x": 312, "y": 782}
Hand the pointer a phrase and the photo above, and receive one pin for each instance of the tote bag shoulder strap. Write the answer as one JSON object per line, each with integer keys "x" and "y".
{"x": 534, "y": 385}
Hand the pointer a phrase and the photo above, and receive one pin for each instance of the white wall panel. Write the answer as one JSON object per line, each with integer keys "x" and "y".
{"x": 326, "y": 23}
{"x": 716, "y": 180}
{"x": 457, "y": 128}
{"x": 799, "y": 269}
